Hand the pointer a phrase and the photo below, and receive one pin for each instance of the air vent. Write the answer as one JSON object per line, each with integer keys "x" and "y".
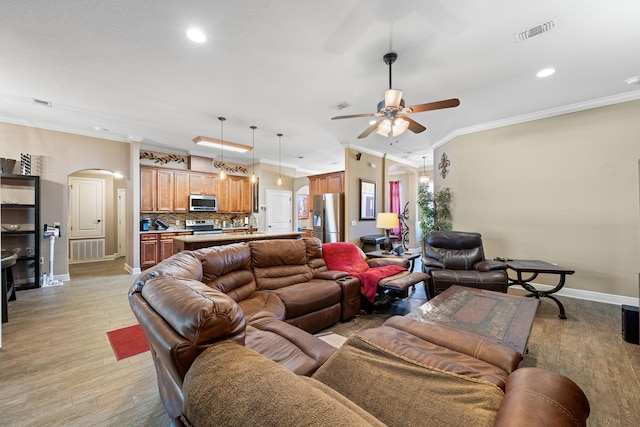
{"x": 343, "y": 105}
{"x": 545, "y": 27}
{"x": 42, "y": 102}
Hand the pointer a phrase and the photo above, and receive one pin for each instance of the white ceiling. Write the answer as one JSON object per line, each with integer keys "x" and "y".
{"x": 285, "y": 65}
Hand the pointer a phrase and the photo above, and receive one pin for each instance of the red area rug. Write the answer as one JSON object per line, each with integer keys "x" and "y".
{"x": 127, "y": 341}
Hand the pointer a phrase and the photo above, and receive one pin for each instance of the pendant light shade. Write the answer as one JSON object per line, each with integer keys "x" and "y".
{"x": 424, "y": 178}
{"x": 254, "y": 178}
{"x": 222, "y": 174}
{"x": 279, "y": 181}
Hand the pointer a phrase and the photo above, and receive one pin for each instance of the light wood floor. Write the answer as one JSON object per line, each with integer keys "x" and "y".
{"x": 57, "y": 367}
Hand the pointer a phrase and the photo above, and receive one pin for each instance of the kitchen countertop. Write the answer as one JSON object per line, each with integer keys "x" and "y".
{"x": 181, "y": 243}
{"x": 184, "y": 230}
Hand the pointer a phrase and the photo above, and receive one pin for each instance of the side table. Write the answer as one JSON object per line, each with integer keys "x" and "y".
{"x": 536, "y": 267}
{"x": 411, "y": 257}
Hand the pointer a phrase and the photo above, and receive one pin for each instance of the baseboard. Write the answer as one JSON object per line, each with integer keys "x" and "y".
{"x": 132, "y": 270}
{"x": 586, "y": 295}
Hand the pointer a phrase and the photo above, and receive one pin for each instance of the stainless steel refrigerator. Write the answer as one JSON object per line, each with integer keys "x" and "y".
{"x": 328, "y": 217}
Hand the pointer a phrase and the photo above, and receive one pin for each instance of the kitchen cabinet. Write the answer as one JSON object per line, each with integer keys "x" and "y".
{"x": 148, "y": 189}
{"x": 181, "y": 185}
{"x": 148, "y": 250}
{"x": 234, "y": 194}
{"x": 164, "y": 190}
{"x": 156, "y": 247}
{"x": 167, "y": 190}
{"x": 21, "y": 206}
{"x": 325, "y": 183}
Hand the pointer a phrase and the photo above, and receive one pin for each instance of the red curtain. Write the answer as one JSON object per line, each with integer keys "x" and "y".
{"x": 394, "y": 203}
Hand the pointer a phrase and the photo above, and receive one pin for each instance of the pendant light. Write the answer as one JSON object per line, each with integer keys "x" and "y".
{"x": 222, "y": 174}
{"x": 279, "y": 181}
{"x": 424, "y": 178}
{"x": 254, "y": 178}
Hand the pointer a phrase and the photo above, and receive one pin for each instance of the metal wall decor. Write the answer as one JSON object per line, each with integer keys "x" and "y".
{"x": 444, "y": 165}
{"x": 162, "y": 158}
{"x": 404, "y": 226}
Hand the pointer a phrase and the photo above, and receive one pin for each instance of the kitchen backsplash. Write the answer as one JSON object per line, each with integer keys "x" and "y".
{"x": 177, "y": 219}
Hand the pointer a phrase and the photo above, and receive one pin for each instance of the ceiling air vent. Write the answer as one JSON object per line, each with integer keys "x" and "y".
{"x": 545, "y": 27}
{"x": 42, "y": 103}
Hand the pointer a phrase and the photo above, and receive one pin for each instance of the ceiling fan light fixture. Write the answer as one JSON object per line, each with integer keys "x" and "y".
{"x": 399, "y": 126}
{"x": 392, "y": 98}
{"x": 384, "y": 127}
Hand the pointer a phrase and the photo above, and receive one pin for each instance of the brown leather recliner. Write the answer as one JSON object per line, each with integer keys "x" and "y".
{"x": 457, "y": 258}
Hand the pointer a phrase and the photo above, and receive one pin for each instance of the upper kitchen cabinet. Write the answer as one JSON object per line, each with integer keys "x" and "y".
{"x": 181, "y": 191}
{"x": 165, "y": 190}
{"x": 326, "y": 183}
{"x": 148, "y": 190}
{"x": 205, "y": 184}
{"x": 234, "y": 194}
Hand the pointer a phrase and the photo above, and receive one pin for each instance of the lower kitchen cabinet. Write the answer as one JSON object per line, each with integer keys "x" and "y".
{"x": 156, "y": 247}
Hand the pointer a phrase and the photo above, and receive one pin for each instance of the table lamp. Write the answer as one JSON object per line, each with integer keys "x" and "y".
{"x": 387, "y": 220}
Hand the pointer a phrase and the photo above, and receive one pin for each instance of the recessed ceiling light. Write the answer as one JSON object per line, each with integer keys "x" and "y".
{"x": 635, "y": 80}
{"x": 196, "y": 35}
{"x": 546, "y": 72}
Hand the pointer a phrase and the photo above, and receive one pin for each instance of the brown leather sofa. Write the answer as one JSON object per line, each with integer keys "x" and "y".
{"x": 457, "y": 258}
{"x": 402, "y": 373}
{"x": 281, "y": 290}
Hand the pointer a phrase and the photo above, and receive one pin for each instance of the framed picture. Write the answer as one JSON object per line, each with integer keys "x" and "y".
{"x": 303, "y": 206}
{"x": 367, "y": 200}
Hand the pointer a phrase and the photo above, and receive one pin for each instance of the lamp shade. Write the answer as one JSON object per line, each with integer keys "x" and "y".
{"x": 387, "y": 220}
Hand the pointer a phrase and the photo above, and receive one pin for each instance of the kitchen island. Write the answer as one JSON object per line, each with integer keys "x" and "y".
{"x": 181, "y": 243}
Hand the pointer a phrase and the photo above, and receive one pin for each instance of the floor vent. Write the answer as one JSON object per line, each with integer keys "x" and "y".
{"x": 545, "y": 27}
{"x": 86, "y": 250}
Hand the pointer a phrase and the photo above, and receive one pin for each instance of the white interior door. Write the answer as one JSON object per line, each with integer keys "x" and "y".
{"x": 87, "y": 208}
{"x": 122, "y": 229}
{"x": 279, "y": 207}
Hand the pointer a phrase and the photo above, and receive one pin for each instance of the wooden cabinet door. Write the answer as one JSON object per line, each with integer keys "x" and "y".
{"x": 322, "y": 185}
{"x": 210, "y": 187}
{"x": 181, "y": 192}
{"x": 148, "y": 250}
{"x": 196, "y": 183}
{"x": 223, "y": 195}
{"x": 165, "y": 190}
{"x": 147, "y": 190}
{"x": 247, "y": 202}
{"x": 335, "y": 183}
{"x": 165, "y": 245}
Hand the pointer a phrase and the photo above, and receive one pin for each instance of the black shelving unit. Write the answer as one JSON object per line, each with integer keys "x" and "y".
{"x": 26, "y": 271}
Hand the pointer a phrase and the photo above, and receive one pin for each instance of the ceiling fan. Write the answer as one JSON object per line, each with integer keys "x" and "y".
{"x": 392, "y": 114}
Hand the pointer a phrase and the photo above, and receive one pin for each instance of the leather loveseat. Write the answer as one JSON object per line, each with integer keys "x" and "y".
{"x": 403, "y": 373}
{"x": 282, "y": 293}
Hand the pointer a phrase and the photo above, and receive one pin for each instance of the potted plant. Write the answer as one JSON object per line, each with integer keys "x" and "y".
{"x": 435, "y": 209}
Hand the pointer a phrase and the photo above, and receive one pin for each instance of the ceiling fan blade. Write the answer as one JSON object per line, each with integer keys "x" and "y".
{"x": 352, "y": 116}
{"x": 414, "y": 126}
{"x": 370, "y": 129}
{"x": 438, "y": 105}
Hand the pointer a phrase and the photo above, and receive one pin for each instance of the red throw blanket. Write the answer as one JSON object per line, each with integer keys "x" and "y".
{"x": 345, "y": 256}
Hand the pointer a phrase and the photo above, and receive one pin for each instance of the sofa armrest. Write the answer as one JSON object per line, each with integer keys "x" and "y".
{"x": 482, "y": 348}
{"x": 330, "y": 274}
{"x": 429, "y": 264}
{"x": 490, "y": 265}
{"x": 536, "y": 397}
{"x": 381, "y": 262}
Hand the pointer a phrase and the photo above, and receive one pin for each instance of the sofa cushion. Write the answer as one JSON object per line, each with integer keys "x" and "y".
{"x": 293, "y": 348}
{"x": 183, "y": 264}
{"x": 231, "y": 385}
{"x": 279, "y": 263}
{"x": 401, "y": 391}
{"x": 263, "y": 304}
{"x": 228, "y": 269}
{"x": 309, "y": 296}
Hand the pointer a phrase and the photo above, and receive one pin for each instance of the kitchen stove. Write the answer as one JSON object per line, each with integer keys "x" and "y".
{"x": 202, "y": 226}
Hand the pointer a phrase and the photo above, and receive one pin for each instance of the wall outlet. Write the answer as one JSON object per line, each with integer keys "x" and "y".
{"x": 41, "y": 260}
{"x": 56, "y": 224}
{"x": 354, "y": 223}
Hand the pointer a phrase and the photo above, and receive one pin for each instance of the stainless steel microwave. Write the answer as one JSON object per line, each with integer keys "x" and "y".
{"x": 203, "y": 203}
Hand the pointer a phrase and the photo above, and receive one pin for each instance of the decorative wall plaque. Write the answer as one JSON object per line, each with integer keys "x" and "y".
{"x": 443, "y": 166}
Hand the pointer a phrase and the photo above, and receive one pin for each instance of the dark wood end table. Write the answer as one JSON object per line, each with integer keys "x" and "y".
{"x": 536, "y": 267}
{"x": 411, "y": 257}
{"x": 503, "y": 317}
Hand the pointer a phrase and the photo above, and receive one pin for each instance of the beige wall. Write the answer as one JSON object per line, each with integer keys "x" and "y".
{"x": 562, "y": 189}
{"x": 62, "y": 154}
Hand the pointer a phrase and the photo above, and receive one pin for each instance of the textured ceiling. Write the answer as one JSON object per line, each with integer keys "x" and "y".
{"x": 286, "y": 65}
